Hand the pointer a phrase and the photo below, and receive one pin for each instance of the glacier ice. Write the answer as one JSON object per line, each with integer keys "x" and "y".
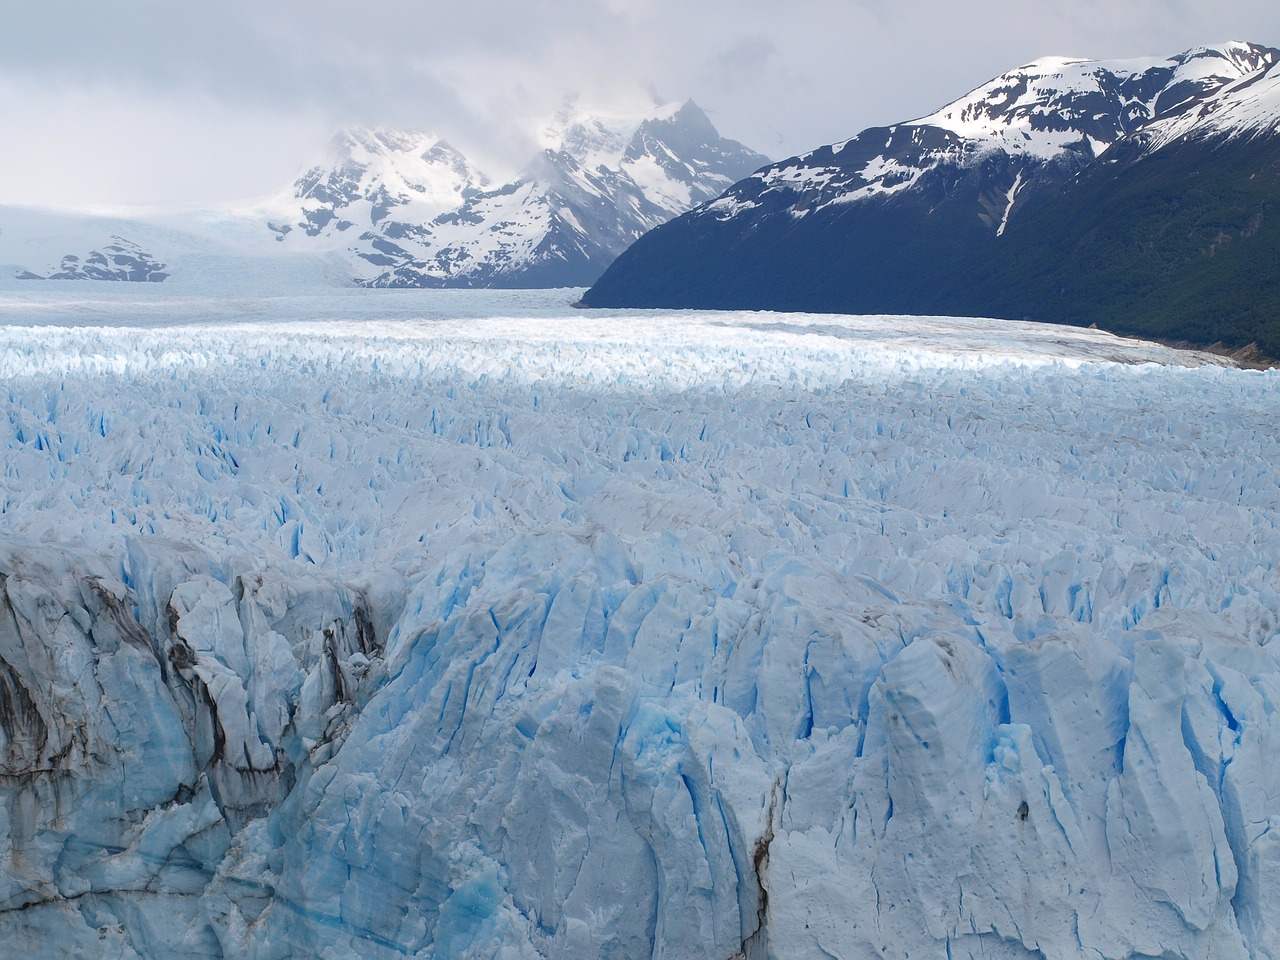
{"x": 636, "y": 635}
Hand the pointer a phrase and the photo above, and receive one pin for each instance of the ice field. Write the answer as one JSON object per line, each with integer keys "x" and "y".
{"x": 463, "y": 625}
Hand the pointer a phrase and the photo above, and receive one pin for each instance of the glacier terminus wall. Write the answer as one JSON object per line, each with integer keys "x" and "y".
{"x": 657, "y": 635}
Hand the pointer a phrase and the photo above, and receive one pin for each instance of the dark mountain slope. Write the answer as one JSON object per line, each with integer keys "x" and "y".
{"x": 1022, "y": 200}
{"x": 1183, "y": 244}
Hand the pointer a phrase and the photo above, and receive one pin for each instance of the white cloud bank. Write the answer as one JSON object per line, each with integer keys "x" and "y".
{"x": 151, "y": 102}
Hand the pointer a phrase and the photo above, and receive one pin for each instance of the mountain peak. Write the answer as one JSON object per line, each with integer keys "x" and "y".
{"x": 585, "y": 133}
{"x": 363, "y": 174}
{"x": 1045, "y": 66}
{"x": 1246, "y": 108}
{"x": 676, "y": 110}
{"x": 1248, "y": 57}
{"x": 687, "y": 116}
{"x": 590, "y": 139}
{"x": 601, "y": 181}
{"x": 1051, "y": 103}
{"x": 362, "y": 144}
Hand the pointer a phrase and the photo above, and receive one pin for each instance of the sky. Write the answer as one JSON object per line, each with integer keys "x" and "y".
{"x": 142, "y": 102}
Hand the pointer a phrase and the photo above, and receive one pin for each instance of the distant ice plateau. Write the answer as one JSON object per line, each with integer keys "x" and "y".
{"x": 540, "y": 633}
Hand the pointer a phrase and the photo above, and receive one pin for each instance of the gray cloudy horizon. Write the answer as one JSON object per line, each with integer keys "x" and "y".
{"x": 150, "y": 102}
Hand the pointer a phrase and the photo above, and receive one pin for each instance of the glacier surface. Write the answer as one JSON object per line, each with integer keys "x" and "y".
{"x": 512, "y": 631}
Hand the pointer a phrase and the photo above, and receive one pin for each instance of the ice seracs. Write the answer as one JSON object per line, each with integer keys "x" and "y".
{"x": 642, "y": 635}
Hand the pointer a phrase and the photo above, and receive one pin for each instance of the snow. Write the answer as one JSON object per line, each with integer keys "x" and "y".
{"x": 729, "y": 206}
{"x": 1246, "y": 109}
{"x": 1010, "y": 197}
{"x": 1011, "y": 110}
{"x": 1028, "y": 116}
{"x": 383, "y": 207}
{"x": 796, "y": 176}
{"x": 665, "y": 191}
{"x": 467, "y": 625}
{"x": 363, "y": 177}
{"x": 883, "y": 177}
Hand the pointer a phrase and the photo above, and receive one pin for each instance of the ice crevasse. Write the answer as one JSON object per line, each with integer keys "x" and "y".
{"x": 708, "y": 638}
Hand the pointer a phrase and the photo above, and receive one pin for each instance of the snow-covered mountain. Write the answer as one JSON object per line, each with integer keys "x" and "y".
{"x": 577, "y": 205}
{"x": 190, "y": 249}
{"x": 1056, "y": 103}
{"x": 731, "y": 635}
{"x": 406, "y": 209}
{"x": 120, "y": 259}
{"x": 37, "y": 244}
{"x": 375, "y": 182}
{"x": 1246, "y": 109}
{"x": 371, "y": 181}
{"x": 921, "y": 216}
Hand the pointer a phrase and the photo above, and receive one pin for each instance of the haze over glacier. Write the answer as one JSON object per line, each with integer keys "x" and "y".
{"x": 544, "y": 633}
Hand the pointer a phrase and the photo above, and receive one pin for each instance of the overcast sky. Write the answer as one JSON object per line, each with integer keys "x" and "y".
{"x": 161, "y": 102}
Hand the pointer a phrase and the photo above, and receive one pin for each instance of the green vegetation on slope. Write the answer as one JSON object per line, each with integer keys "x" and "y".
{"x": 1183, "y": 245}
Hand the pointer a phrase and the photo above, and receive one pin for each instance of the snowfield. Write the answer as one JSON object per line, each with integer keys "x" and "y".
{"x": 468, "y": 625}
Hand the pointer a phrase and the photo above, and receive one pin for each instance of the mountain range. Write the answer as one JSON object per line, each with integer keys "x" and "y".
{"x": 389, "y": 208}
{"x": 1135, "y": 194}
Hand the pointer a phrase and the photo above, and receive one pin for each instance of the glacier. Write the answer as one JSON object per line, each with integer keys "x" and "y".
{"x": 467, "y": 625}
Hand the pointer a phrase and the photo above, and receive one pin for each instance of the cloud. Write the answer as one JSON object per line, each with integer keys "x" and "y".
{"x": 74, "y": 147}
{"x": 241, "y": 78}
{"x": 744, "y": 60}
